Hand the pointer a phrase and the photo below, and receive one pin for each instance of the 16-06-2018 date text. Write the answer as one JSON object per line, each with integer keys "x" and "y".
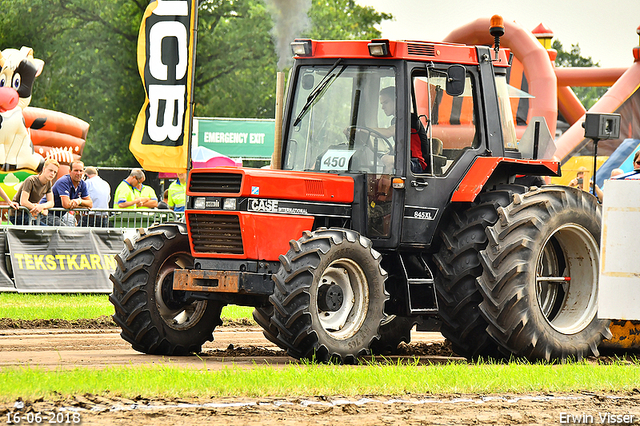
{"x": 49, "y": 417}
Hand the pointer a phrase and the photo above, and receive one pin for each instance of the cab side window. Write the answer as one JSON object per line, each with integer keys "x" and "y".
{"x": 449, "y": 120}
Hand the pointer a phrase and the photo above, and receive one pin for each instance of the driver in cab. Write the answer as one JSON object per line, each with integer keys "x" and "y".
{"x": 418, "y": 133}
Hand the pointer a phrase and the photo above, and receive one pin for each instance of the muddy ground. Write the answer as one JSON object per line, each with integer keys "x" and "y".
{"x": 97, "y": 344}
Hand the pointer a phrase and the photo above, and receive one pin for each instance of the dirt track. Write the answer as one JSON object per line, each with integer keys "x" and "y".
{"x": 97, "y": 348}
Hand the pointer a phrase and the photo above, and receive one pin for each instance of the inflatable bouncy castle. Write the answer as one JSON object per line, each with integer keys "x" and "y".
{"x": 29, "y": 135}
{"x": 543, "y": 90}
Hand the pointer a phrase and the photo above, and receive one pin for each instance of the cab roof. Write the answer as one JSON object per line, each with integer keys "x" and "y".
{"x": 409, "y": 50}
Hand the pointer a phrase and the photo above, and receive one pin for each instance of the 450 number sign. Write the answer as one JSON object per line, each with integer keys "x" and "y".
{"x": 335, "y": 159}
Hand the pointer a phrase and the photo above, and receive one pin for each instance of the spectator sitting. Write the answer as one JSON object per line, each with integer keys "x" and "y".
{"x": 100, "y": 193}
{"x": 31, "y": 191}
{"x": 127, "y": 195}
{"x": 616, "y": 172}
{"x": 635, "y": 174}
{"x": 163, "y": 205}
{"x": 70, "y": 192}
{"x": 178, "y": 193}
{"x": 578, "y": 181}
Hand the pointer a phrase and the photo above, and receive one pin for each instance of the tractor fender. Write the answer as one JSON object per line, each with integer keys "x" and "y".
{"x": 484, "y": 168}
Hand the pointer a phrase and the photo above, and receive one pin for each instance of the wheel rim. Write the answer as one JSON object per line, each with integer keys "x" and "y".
{"x": 566, "y": 279}
{"x": 349, "y": 317}
{"x": 172, "y": 307}
{"x": 551, "y": 293}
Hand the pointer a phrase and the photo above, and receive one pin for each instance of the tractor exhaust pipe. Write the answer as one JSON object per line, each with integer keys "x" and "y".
{"x": 276, "y": 158}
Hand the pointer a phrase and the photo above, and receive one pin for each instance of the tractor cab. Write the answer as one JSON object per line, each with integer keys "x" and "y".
{"x": 406, "y": 127}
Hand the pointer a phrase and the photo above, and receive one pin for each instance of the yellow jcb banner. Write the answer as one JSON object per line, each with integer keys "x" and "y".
{"x": 160, "y": 139}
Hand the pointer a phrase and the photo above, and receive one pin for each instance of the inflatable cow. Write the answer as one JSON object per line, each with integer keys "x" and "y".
{"x": 18, "y": 72}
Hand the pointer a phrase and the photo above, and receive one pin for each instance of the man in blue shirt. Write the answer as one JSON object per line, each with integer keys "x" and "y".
{"x": 70, "y": 192}
{"x": 100, "y": 193}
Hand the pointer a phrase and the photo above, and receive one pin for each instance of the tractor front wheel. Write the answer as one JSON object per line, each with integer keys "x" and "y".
{"x": 329, "y": 296}
{"x": 153, "y": 317}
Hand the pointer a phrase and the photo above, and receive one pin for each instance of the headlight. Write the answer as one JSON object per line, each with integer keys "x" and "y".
{"x": 301, "y": 47}
{"x": 199, "y": 203}
{"x": 229, "y": 204}
{"x": 379, "y": 48}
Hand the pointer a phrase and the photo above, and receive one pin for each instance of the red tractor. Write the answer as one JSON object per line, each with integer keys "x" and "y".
{"x": 402, "y": 197}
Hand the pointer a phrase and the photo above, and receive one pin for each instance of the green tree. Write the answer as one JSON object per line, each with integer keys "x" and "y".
{"x": 587, "y": 95}
{"x": 236, "y": 58}
{"x": 89, "y": 49}
{"x": 344, "y": 20}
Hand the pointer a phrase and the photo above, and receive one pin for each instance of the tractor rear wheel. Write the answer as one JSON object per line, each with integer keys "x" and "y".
{"x": 393, "y": 331}
{"x": 154, "y": 318}
{"x": 540, "y": 280}
{"x": 458, "y": 267}
{"x": 329, "y": 296}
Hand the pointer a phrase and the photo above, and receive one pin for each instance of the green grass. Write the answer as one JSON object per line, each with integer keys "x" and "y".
{"x": 54, "y": 306}
{"x": 311, "y": 379}
{"x": 234, "y": 312}
{"x": 20, "y": 306}
{"x": 293, "y": 380}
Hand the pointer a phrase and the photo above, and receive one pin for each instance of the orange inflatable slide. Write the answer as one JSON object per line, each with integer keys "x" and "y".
{"x": 533, "y": 71}
{"x": 55, "y": 130}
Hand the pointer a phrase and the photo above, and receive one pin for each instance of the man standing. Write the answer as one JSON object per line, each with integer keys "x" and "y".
{"x": 100, "y": 193}
{"x": 178, "y": 193}
{"x": 128, "y": 195}
{"x": 149, "y": 194}
{"x": 70, "y": 192}
{"x": 32, "y": 190}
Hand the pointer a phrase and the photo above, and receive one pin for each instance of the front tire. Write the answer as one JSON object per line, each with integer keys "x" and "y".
{"x": 540, "y": 280}
{"x": 154, "y": 318}
{"x": 329, "y": 296}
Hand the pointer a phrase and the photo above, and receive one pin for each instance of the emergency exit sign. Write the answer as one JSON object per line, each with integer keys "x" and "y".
{"x": 236, "y": 138}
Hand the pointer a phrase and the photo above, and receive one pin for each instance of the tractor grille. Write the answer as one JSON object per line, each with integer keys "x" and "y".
{"x": 216, "y": 233}
{"x": 421, "y": 49}
{"x": 228, "y": 183}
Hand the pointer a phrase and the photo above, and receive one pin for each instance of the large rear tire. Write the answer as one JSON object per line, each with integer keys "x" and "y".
{"x": 458, "y": 267}
{"x": 154, "y": 318}
{"x": 393, "y": 331}
{"x": 540, "y": 280}
{"x": 329, "y": 296}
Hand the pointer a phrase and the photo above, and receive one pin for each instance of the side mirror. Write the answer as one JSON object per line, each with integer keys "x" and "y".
{"x": 456, "y": 75}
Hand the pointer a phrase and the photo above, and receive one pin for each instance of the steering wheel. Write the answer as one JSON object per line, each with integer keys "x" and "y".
{"x": 370, "y": 132}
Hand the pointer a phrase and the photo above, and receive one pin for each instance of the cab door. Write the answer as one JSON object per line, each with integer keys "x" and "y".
{"x": 453, "y": 142}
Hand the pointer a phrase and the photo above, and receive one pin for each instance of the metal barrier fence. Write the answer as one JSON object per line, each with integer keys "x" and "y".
{"x": 90, "y": 218}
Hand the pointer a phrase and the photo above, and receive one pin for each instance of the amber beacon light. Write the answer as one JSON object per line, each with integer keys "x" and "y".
{"x": 496, "y": 29}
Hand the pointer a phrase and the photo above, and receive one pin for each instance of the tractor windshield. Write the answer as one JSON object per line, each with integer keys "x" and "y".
{"x": 343, "y": 119}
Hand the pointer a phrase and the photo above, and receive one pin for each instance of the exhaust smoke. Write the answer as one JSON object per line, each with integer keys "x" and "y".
{"x": 289, "y": 21}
